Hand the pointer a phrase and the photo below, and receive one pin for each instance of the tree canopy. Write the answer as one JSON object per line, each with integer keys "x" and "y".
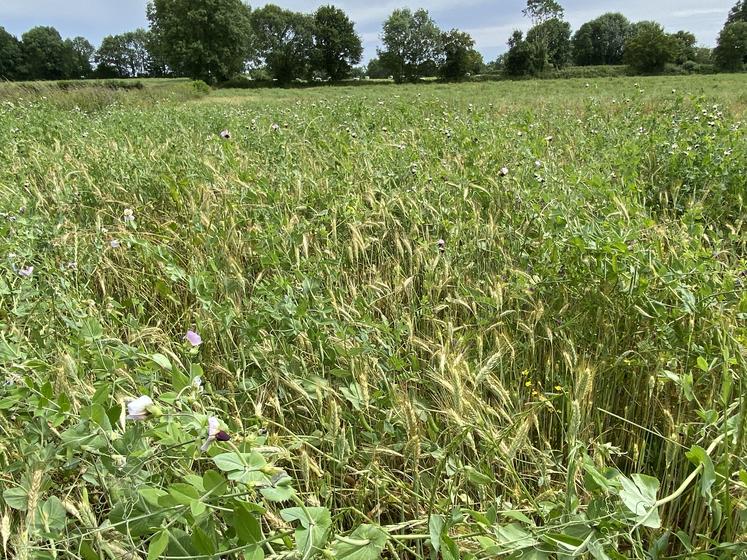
{"x": 737, "y": 13}
{"x": 337, "y": 47}
{"x": 284, "y": 41}
{"x": 202, "y": 39}
{"x": 460, "y": 56}
{"x": 601, "y": 40}
{"x": 10, "y": 56}
{"x": 550, "y": 42}
{"x": 125, "y": 55}
{"x": 731, "y": 50}
{"x": 45, "y": 56}
{"x": 649, "y": 48}
{"x": 412, "y": 44}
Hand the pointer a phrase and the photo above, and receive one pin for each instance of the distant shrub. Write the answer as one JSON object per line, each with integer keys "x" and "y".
{"x": 68, "y": 85}
{"x": 244, "y": 82}
{"x": 200, "y": 87}
{"x": 589, "y": 72}
{"x": 692, "y": 67}
{"x": 564, "y": 73}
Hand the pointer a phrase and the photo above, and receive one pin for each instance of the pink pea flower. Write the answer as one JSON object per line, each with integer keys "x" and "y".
{"x": 26, "y": 271}
{"x": 225, "y": 134}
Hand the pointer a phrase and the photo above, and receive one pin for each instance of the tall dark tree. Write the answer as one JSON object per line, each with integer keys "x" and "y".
{"x": 411, "y": 44}
{"x": 539, "y": 11}
{"x": 602, "y": 40}
{"x": 737, "y": 13}
{"x": 202, "y": 39}
{"x": 284, "y": 40}
{"x": 551, "y": 44}
{"x": 460, "y": 56}
{"x": 375, "y": 69}
{"x": 731, "y": 51}
{"x": 45, "y": 55}
{"x": 125, "y": 55}
{"x": 684, "y": 46}
{"x": 649, "y": 48}
{"x": 337, "y": 47}
{"x": 10, "y": 56}
{"x": 518, "y": 60}
{"x": 542, "y": 12}
{"x": 81, "y": 53}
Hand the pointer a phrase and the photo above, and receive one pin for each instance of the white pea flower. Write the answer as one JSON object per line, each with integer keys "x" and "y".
{"x": 139, "y": 408}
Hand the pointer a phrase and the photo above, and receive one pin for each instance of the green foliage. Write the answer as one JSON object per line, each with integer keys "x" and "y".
{"x": 602, "y": 40}
{"x": 125, "y": 56}
{"x": 550, "y": 42}
{"x": 284, "y": 41}
{"x": 737, "y": 13}
{"x": 10, "y": 56}
{"x": 460, "y": 56}
{"x": 649, "y": 48}
{"x": 203, "y": 39}
{"x": 81, "y": 55}
{"x": 518, "y": 59}
{"x": 731, "y": 51}
{"x": 539, "y": 11}
{"x": 684, "y": 47}
{"x": 45, "y": 56}
{"x": 337, "y": 47}
{"x": 411, "y": 45}
{"x": 376, "y": 69}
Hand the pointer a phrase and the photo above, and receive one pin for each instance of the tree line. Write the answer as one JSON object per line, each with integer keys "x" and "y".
{"x": 216, "y": 40}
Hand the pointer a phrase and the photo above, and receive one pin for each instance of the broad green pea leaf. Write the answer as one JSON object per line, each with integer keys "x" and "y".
{"x": 365, "y": 543}
{"x": 50, "y": 517}
{"x": 246, "y": 525}
{"x": 158, "y": 544}
{"x": 698, "y": 456}
{"x": 513, "y": 537}
{"x": 435, "y": 528}
{"x": 639, "y": 496}
{"x": 16, "y": 498}
{"x": 313, "y": 533}
{"x": 162, "y": 361}
{"x": 281, "y": 491}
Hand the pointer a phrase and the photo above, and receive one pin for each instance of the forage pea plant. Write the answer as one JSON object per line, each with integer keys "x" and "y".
{"x": 170, "y": 478}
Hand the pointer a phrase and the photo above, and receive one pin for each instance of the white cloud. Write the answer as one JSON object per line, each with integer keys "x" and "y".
{"x": 697, "y": 12}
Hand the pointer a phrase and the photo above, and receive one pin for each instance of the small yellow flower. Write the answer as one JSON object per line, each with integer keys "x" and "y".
{"x": 528, "y": 383}
{"x": 525, "y": 372}
{"x": 558, "y": 388}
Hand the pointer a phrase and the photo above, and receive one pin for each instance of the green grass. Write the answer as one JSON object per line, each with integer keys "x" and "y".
{"x": 566, "y": 379}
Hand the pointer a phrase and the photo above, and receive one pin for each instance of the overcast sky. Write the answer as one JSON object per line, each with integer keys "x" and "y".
{"x": 489, "y": 21}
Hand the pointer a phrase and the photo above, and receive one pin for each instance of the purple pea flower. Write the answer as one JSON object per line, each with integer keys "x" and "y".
{"x": 214, "y": 433}
{"x": 193, "y": 338}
